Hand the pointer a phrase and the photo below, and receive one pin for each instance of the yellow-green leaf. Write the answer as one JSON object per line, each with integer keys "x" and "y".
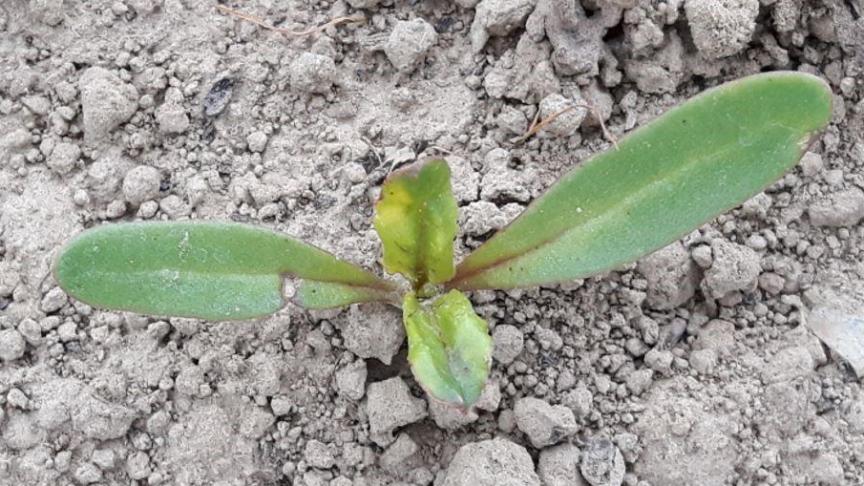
{"x": 662, "y": 181}
{"x": 416, "y": 221}
{"x": 449, "y": 347}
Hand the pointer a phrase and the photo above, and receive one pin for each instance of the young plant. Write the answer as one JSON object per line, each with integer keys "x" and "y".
{"x": 662, "y": 181}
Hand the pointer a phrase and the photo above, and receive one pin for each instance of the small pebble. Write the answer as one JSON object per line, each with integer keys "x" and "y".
{"x": 602, "y": 463}
{"x": 12, "y": 345}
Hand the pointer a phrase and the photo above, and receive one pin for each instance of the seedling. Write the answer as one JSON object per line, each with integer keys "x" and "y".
{"x": 662, "y": 181}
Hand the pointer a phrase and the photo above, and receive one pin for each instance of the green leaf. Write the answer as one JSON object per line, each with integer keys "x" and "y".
{"x": 665, "y": 179}
{"x": 416, "y": 221}
{"x": 314, "y": 294}
{"x": 449, "y": 347}
{"x": 206, "y": 270}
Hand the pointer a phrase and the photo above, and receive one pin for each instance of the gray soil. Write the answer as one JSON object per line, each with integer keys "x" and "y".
{"x": 696, "y": 366}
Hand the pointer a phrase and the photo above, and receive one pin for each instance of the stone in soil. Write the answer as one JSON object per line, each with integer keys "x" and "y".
{"x": 318, "y": 455}
{"x": 496, "y": 462}
{"x": 351, "y": 380}
{"x": 63, "y": 158}
{"x": 408, "y": 43}
{"x": 399, "y": 452}
{"x": 12, "y": 345}
{"x": 390, "y": 405}
{"x": 721, "y": 28}
{"x": 373, "y": 331}
{"x": 498, "y": 18}
{"x": 788, "y": 364}
{"x": 106, "y": 102}
{"x": 141, "y": 184}
{"x": 845, "y": 208}
{"x": 508, "y": 343}
{"x": 672, "y": 276}
{"x": 735, "y": 268}
{"x": 54, "y": 300}
{"x": 559, "y": 466}
{"x": 544, "y": 424}
{"x": 171, "y": 116}
{"x": 568, "y": 112}
{"x": 700, "y": 439}
{"x": 312, "y": 73}
{"x": 602, "y": 463}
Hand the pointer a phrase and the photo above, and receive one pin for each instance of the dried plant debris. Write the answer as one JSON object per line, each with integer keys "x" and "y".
{"x": 290, "y": 33}
{"x": 218, "y": 97}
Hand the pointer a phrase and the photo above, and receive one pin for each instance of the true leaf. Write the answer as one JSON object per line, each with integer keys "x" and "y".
{"x": 416, "y": 221}
{"x": 205, "y": 270}
{"x": 663, "y": 180}
{"x": 449, "y": 347}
